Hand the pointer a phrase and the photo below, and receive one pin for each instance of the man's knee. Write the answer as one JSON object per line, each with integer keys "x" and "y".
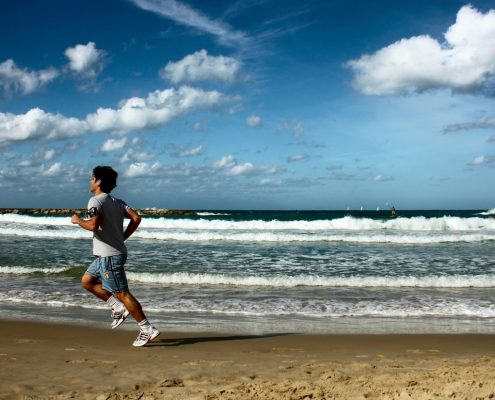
{"x": 125, "y": 295}
{"x": 127, "y": 298}
{"x": 88, "y": 281}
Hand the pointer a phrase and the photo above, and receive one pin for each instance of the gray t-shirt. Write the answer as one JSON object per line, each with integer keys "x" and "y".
{"x": 109, "y": 239}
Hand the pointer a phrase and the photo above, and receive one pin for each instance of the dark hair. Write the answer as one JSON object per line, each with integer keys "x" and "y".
{"x": 108, "y": 177}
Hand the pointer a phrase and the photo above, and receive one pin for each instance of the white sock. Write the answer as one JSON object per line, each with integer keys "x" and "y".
{"x": 145, "y": 325}
{"x": 115, "y": 304}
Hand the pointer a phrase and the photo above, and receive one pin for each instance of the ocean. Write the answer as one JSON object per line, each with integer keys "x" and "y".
{"x": 261, "y": 272}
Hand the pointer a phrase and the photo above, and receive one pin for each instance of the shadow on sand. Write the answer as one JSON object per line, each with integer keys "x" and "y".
{"x": 203, "y": 339}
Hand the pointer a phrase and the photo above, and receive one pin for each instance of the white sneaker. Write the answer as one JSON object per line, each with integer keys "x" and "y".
{"x": 146, "y": 336}
{"x": 119, "y": 317}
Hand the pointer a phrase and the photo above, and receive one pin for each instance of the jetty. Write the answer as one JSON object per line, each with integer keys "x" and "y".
{"x": 155, "y": 212}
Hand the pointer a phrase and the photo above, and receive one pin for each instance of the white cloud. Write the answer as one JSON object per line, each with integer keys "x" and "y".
{"x": 230, "y": 167}
{"x": 190, "y": 152}
{"x": 38, "y": 124}
{"x": 225, "y": 162}
{"x": 482, "y": 123}
{"x": 185, "y": 15}
{"x": 381, "y": 178}
{"x": 299, "y": 129}
{"x": 38, "y": 157}
{"x": 53, "y": 170}
{"x": 136, "y": 156}
{"x": 24, "y": 163}
{"x": 270, "y": 182}
{"x": 201, "y": 67}
{"x": 160, "y": 107}
{"x": 482, "y": 160}
{"x": 254, "y": 121}
{"x": 15, "y": 79}
{"x": 273, "y": 170}
{"x": 297, "y": 157}
{"x": 240, "y": 169}
{"x": 197, "y": 126}
{"x": 48, "y": 154}
{"x": 113, "y": 144}
{"x": 141, "y": 169}
{"x": 86, "y": 60}
{"x": 465, "y": 62}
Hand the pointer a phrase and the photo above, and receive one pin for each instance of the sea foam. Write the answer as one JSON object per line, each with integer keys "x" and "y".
{"x": 286, "y": 281}
{"x": 414, "y": 230}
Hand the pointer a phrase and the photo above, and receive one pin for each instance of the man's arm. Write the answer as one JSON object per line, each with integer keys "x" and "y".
{"x": 92, "y": 224}
{"x": 133, "y": 224}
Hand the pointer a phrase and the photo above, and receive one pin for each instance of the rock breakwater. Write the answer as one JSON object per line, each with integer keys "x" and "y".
{"x": 158, "y": 212}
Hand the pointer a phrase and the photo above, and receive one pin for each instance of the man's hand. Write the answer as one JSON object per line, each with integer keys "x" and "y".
{"x": 92, "y": 224}
{"x": 133, "y": 224}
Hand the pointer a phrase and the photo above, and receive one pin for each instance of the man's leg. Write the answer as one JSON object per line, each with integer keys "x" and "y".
{"x": 93, "y": 285}
{"x": 114, "y": 281}
{"x": 132, "y": 305}
{"x": 147, "y": 332}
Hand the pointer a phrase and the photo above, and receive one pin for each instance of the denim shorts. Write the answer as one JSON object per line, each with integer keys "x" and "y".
{"x": 110, "y": 271}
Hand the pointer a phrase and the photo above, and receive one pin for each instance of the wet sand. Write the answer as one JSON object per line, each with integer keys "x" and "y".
{"x": 44, "y": 361}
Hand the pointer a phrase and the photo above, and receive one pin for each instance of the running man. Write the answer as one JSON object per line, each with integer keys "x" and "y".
{"x": 106, "y": 277}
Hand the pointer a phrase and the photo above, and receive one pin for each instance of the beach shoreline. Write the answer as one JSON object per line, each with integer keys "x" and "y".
{"x": 48, "y": 361}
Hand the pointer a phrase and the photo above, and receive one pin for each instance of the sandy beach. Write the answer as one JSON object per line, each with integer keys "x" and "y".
{"x": 43, "y": 361}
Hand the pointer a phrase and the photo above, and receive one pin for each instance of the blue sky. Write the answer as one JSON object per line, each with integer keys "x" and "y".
{"x": 251, "y": 104}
